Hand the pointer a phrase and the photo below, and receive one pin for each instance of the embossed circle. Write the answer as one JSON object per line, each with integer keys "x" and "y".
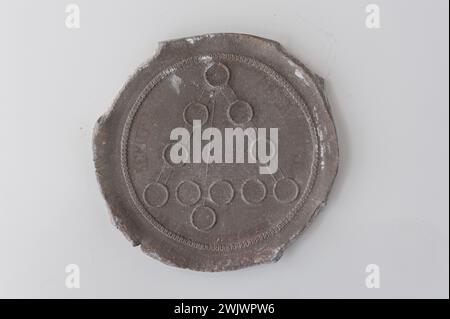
{"x": 203, "y": 218}
{"x": 221, "y": 192}
{"x": 168, "y": 160}
{"x": 188, "y": 193}
{"x": 285, "y": 190}
{"x": 217, "y": 74}
{"x": 253, "y": 191}
{"x": 195, "y": 111}
{"x": 156, "y": 194}
{"x": 240, "y": 112}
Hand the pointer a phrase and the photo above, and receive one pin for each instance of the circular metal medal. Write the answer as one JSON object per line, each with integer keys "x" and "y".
{"x": 217, "y": 153}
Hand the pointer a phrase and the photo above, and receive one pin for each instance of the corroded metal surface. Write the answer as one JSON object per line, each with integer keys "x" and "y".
{"x": 224, "y": 212}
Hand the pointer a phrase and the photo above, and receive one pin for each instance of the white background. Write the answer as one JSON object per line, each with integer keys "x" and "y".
{"x": 389, "y": 93}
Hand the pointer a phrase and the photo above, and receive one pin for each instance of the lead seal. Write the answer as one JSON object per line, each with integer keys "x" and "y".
{"x": 217, "y": 153}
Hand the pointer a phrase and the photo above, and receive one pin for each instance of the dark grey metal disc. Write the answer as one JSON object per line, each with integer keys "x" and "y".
{"x": 216, "y": 216}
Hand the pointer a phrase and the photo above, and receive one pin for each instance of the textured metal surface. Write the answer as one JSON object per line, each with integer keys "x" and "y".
{"x": 216, "y": 216}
